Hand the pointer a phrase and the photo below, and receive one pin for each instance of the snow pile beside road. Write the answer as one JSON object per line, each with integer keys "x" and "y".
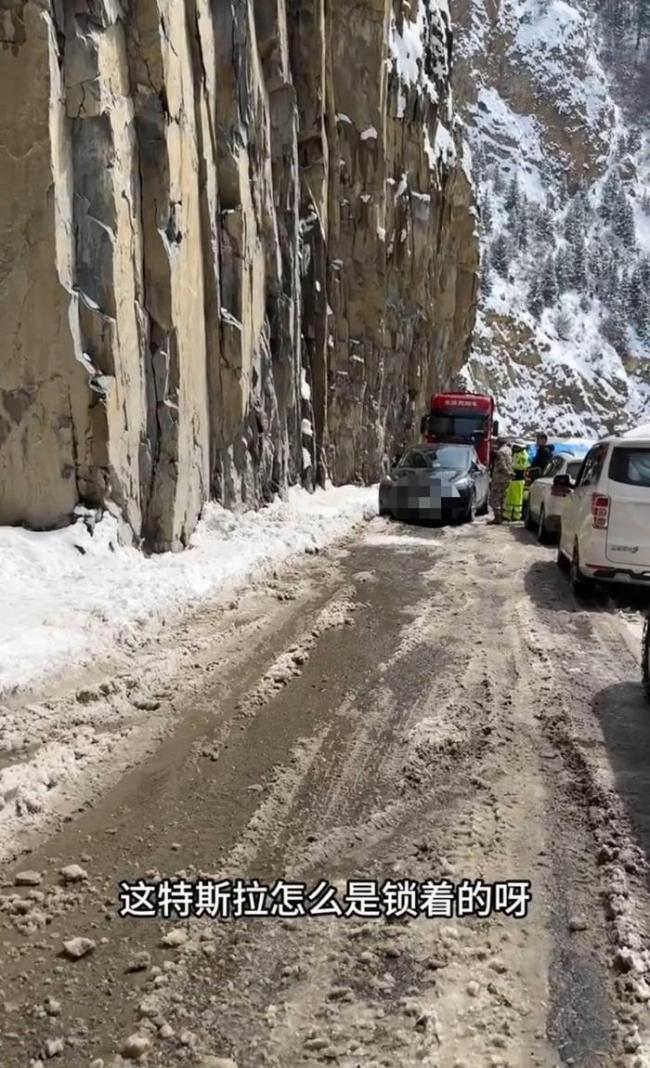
{"x": 69, "y": 596}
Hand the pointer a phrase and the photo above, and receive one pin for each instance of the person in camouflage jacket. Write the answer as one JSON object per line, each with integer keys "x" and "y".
{"x": 501, "y": 476}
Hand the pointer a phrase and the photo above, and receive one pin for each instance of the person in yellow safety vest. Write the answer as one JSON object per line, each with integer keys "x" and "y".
{"x": 527, "y": 484}
{"x": 514, "y": 499}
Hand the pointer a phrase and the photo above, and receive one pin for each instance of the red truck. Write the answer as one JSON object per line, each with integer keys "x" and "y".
{"x": 462, "y": 417}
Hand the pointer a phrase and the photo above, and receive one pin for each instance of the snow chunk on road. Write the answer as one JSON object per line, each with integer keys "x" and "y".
{"x": 70, "y": 596}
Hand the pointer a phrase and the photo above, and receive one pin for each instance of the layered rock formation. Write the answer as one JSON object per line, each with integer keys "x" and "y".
{"x": 238, "y": 249}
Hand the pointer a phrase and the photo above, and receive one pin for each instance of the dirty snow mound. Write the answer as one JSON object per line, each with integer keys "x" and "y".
{"x": 70, "y": 596}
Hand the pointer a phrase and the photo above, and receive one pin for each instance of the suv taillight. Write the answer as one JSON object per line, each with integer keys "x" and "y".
{"x": 599, "y": 511}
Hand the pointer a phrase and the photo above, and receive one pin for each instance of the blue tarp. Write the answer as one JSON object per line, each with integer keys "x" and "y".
{"x": 578, "y": 448}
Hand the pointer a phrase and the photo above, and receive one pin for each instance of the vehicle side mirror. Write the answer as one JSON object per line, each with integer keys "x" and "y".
{"x": 535, "y": 472}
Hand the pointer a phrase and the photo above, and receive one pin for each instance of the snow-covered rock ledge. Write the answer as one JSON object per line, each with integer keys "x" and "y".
{"x": 69, "y": 596}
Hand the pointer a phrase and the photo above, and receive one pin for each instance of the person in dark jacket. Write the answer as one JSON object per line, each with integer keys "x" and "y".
{"x": 543, "y": 455}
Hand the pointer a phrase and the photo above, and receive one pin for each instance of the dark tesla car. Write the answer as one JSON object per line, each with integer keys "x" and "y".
{"x": 436, "y": 483}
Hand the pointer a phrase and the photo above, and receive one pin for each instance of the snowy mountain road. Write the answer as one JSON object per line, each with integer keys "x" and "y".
{"x": 411, "y": 705}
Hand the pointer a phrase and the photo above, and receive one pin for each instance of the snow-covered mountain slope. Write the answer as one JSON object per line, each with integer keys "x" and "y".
{"x": 561, "y": 148}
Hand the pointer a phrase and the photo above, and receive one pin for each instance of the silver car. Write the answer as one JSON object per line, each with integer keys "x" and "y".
{"x": 436, "y": 483}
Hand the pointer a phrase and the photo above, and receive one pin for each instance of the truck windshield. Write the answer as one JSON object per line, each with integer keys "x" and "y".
{"x": 456, "y": 426}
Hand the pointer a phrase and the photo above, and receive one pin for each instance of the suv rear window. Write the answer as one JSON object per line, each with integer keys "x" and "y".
{"x": 592, "y": 465}
{"x": 630, "y": 466}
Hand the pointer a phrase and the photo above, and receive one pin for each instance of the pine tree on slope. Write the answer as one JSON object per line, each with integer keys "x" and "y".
{"x": 500, "y": 255}
{"x": 611, "y": 280}
{"x": 579, "y": 265}
{"x": 624, "y": 294}
{"x": 635, "y": 293}
{"x": 549, "y": 286}
{"x": 544, "y": 224}
{"x": 642, "y": 318}
{"x": 607, "y": 280}
{"x": 578, "y": 218}
{"x": 521, "y": 226}
{"x": 535, "y": 300}
{"x": 642, "y": 21}
{"x": 513, "y": 198}
{"x": 624, "y": 225}
{"x": 620, "y": 23}
{"x": 563, "y": 269}
{"x": 595, "y": 262}
{"x": 614, "y": 328}
{"x": 610, "y": 197}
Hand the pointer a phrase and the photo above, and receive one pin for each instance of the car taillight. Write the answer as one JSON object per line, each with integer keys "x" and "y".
{"x": 599, "y": 511}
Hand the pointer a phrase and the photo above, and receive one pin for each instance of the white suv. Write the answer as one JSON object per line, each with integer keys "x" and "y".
{"x": 547, "y": 501}
{"x": 605, "y": 532}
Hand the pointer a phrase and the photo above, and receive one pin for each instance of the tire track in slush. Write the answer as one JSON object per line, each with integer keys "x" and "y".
{"x": 608, "y": 838}
{"x": 352, "y": 791}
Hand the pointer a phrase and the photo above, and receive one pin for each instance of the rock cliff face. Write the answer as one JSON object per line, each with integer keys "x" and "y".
{"x": 238, "y": 249}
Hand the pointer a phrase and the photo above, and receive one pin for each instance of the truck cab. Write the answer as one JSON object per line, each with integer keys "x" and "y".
{"x": 466, "y": 418}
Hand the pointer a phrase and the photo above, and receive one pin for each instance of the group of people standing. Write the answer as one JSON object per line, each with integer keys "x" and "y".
{"x": 511, "y": 471}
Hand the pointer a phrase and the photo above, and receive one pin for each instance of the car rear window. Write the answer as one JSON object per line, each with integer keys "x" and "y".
{"x": 447, "y": 456}
{"x": 630, "y": 466}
